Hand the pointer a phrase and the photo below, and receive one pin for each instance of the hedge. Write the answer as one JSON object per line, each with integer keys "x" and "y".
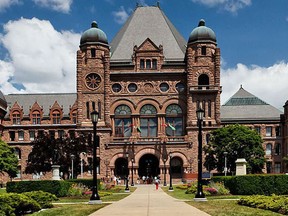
{"x": 58, "y": 188}
{"x": 264, "y": 184}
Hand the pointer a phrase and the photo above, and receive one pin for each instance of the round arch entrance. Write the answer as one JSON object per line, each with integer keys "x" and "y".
{"x": 148, "y": 166}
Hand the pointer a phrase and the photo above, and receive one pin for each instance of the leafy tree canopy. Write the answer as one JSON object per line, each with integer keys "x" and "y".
{"x": 239, "y": 142}
{"x": 48, "y": 151}
{"x": 8, "y": 159}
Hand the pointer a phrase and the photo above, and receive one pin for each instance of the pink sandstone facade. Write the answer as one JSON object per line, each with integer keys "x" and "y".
{"x": 147, "y": 102}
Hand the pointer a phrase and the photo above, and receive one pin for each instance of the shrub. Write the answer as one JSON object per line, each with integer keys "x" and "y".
{"x": 17, "y": 204}
{"x": 58, "y": 188}
{"x": 273, "y": 203}
{"x": 45, "y": 199}
{"x": 264, "y": 184}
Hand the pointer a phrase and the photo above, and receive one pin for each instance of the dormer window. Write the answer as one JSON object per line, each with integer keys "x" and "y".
{"x": 154, "y": 63}
{"x": 142, "y": 64}
{"x": 16, "y": 118}
{"x": 148, "y": 64}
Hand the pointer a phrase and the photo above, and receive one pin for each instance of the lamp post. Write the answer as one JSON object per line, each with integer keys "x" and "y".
{"x": 200, "y": 196}
{"x": 95, "y": 198}
{"x": 170, "y": 172}
{"x": 72, "y": 166}
{"x": 132, "y": 181}
{"x": 127, "y": 187}
{"x": 164, "y": 183}
{"x": 225, "y": 166}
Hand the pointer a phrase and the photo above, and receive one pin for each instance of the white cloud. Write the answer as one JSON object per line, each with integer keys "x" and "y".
{"x": 43, "y": 59}
{"x": 268, "y": 84}
{"x": 57, "y": 5}
{"x": 229, "y": 5}
{"x": 121, "y": 15}
{"x": 7, "y": 3}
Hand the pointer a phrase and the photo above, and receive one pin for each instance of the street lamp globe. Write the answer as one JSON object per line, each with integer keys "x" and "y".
{"x": 200, "y": 113}
{"x": 94, "y": 117}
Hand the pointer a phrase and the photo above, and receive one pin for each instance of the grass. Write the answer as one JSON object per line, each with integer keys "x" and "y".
{"x": 82, "y": 209}
{"x": 229, "y": 208}
{"x": 219, "y": 205}
{"x": 71, "y": 210}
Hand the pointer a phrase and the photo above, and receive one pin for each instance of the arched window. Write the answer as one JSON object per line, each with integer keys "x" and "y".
{"x": 269, "y": 149}
{"x": 148, "y": 121}
{"x": 277, "y": 149}
{"x": 174, "y": 120}
{"x": 123, "y": 121}
{"x": 203, "y": 80}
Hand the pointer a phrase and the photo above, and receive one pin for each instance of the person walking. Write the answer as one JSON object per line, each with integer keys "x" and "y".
{"x": 157, "y": 183}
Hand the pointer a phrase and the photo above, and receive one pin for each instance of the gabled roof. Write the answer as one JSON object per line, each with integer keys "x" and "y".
{"x": 148, "y": 22}
{"x": 244, "y": 106}
{"x": 65, "y": 100}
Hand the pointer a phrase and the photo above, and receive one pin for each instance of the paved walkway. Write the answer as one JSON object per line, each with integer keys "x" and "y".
{"x": 147, "y": 201}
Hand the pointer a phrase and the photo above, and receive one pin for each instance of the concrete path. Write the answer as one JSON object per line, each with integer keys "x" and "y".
{"x": 147, "y": 201}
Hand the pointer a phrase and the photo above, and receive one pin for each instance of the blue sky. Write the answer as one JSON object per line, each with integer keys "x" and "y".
{"x": 39, "y": 40}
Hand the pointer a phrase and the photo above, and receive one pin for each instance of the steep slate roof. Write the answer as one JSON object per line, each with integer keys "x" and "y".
{"x": 46, "y": 101}
{"x": 148, "y": 22}
{"x": 244, "y": 106}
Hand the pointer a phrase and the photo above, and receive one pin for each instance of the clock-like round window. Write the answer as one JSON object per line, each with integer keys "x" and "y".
{"x": 93, "y": 80}
{"x": 164, "y": 87}
{"x": 132, "y": 87}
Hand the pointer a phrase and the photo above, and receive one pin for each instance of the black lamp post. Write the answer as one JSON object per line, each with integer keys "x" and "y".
{"x": 200, "y": 196}
{"x": 127, "y": 177}
{"x": 170, "y": 172}
{"x": 95, "y": 198}
{"x": 164, "y": 183}
{"x": 132, "y": 181}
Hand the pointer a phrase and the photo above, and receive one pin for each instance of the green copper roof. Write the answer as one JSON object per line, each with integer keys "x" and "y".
{"x": 202, "y": 34}
{"x": 93, "y": 35}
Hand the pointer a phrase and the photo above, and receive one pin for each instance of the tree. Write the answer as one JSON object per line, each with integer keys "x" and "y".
{"x": 47, "y": 151}
{"x": 239, "y": 142}
{"x": 8, "y": 160}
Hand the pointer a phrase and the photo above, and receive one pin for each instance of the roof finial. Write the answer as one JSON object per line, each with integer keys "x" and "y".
{"x": 241, "y": 86}
{"x": 158, "y": 4}
{"x": 94, "y": 24}
{"x": 201, "y": 22}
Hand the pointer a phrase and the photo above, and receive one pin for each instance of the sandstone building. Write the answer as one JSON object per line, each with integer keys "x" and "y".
{"x": 146, "y": 85}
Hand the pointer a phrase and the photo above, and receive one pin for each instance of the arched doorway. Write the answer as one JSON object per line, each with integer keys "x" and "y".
{"x": 121, "y": 167}
{"x": 176, "y": 167}
{"x": 148, "y": 166}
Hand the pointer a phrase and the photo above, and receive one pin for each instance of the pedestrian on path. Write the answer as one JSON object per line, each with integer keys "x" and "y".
{"x": 157, "y": 183}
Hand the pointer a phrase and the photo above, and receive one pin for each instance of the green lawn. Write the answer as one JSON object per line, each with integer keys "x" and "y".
{"x": 83, "y": 208}
{"x": 219, "y": 205}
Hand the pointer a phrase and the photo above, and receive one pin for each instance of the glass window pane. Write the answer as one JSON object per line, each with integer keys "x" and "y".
{"x": 268, "y": 149}
{"x": 144, "y": 127}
